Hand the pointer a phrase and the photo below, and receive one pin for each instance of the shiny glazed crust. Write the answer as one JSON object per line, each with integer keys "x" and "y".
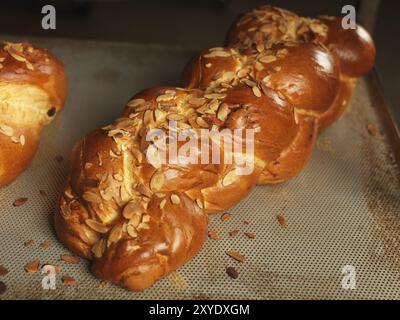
{"x": 33, "y": 88}
{"x": 282, "y": 75}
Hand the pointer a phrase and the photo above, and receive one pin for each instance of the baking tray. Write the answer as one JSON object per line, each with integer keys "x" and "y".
{"x": 342, "y": 210}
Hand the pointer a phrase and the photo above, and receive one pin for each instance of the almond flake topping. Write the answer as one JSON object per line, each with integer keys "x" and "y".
{"x": 199, "y": 203}
{"x": 133, "y": 208}
{"x": 256, "y": 91}
{"x": 115, "y": 234}
{"x": 267, "y": 59}
{"x": 107, "y": 194}
{"x": 215, "y": 96}
{"x": 96, "y": 226}
{"x": 153, "y": 156}
{"x": 144, "y": 226}
{"x": 135, "y": 103}
{"x": 159, "y": 115}
{"x": 131, "y": 230}
{"x": 230, "y": 178}
{"x": 99, "y": 248}
{"x": 162, "y": 203}
{"x": 6, "y": 130}
{"x": 135, "y": 220}
{"x": 90, "y": 196}
{"x": 16, "y": 51}
{"x": 213, "y": 54}
{"x": 175, "y": 199}
{"x": 157, "y": 181}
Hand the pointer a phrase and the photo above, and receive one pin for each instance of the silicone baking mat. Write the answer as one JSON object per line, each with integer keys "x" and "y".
{"x": 342, "y": 210}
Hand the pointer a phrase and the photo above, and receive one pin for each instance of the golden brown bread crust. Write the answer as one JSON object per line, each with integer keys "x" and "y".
{"x": 32, "y": 90}
{"x": 137, "y": 217}
{"x": 294, "y": 158}
{"x": 353, "y": 47}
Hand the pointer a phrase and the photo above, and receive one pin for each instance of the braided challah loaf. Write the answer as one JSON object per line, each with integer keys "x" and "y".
{"x": 32, "y": 90}
{"x": 139, "y": 217}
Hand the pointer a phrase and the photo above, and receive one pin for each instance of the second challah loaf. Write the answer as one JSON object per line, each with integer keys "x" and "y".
{"x": 33, "y": 89}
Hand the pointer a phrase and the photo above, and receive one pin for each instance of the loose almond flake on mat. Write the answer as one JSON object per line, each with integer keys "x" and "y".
{"x": 234, "y": 232}
{"x": 32, "y": 267}
{"x": 68, "y": 281}
{"x": 232, "y": 272}
{"x": 230, "y": 178}
{"x": 19, "y": 202}
{"x": 213, "y": 235}
{"x": 175, "y": 199}
{"x": 70, "y": 259}
{"x": 28, "y": 243}
{"x": 249, "y": 235}
{"x": 45, "y": 245}
{"x": 282, "y": 220}
{"x": 225, "y": 216}
{"x": 236, "y": 255}
{"x": 96, "y": 226}
{"x": 3, "y": 271}
{"x": 162, "y": 203}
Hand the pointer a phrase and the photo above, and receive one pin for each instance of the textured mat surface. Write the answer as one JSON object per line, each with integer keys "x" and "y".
{"x": 344, "y": 209}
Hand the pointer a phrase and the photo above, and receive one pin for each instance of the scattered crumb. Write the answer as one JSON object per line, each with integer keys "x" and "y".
{"x": 43, "y": 193}
{"x": 282, "y": 220}
{"x": 372, "y": 129}
{"x": 20, "y": 202}
{"x": 234, "y": 232}
{"x": 32, "y": 267}
{"x": 213, "y": 235}
{"x": 3, "y": 271}
{"x": 28, "y": 243}
{"x": 236, "y": 255}
{"x": 249, "y": 235}
{"x": 225, "y": 216}
{"x": 232, "y": 272}
{"x": 246, "y": 222}
{"x": 45, "y": 245}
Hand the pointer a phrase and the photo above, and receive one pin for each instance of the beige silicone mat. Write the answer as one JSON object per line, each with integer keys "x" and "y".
{"x": 342, "y": 210}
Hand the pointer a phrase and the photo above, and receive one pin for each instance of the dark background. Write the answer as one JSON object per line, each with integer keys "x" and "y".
{"x": 199, "y": 24}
